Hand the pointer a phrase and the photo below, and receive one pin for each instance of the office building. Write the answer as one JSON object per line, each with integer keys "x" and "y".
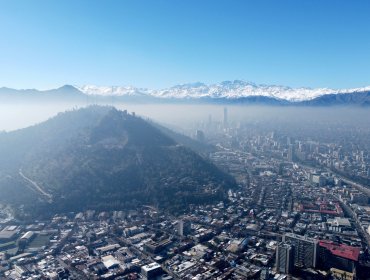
{"x": 151, "y": 271}
{"x": 338, "y": 256}
{"x": 183, "y": 227}
{"x": 305, "y": 250}
{"x": 284, "y": 258}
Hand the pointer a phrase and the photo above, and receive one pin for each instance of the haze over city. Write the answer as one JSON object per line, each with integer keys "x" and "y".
{"x": 161, "y": 140}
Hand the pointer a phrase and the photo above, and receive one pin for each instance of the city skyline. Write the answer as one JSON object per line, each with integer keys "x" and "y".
{"x": 182, "y": 140}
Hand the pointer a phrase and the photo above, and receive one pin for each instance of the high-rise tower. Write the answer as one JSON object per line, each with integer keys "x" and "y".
{"x": 284, "y": 258}
{"x": 305, "y": 250}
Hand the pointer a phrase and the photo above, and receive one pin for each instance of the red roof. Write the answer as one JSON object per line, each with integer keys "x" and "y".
{"x": 322, "y": 208}
{"x": 341, "y": 250}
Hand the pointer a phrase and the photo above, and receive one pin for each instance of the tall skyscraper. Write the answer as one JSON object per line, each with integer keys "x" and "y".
{"x": 180, "y": 227}
{"x": 305, "y": 250}
{"x": 290, "y": 153}
{"x": 284, "y": 258}
{"x": 183, "y": 227}
{"x": 225, "y": 117}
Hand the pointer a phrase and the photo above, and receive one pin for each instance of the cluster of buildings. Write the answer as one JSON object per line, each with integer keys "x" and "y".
{"x": 287, "y": 219}
{"x": 259, "y": 232}
{"x": 305, "y": 255}
{"x": 320, "y": 217}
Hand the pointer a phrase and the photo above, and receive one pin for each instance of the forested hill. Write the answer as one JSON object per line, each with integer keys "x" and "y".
{"x": 102, "y": 158}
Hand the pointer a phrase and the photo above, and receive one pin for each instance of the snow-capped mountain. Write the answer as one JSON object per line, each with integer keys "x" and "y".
{"x": 111, "y": 90}
{"x": 231, "y": 90}
{"x": 228, "y": 92}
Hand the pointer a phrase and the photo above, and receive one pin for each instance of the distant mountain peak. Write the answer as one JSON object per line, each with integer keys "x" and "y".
{"x": 232, "y": 90}
{"x": 227, "y": 91}
{"x": 67, "y": 87}
{"x": 111, "y": 90}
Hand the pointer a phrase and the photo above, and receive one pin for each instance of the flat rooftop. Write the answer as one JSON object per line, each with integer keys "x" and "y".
{"x": 341, "y": 250}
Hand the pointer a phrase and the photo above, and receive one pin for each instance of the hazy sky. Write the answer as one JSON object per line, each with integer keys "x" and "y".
{"x": 156, "y": 44}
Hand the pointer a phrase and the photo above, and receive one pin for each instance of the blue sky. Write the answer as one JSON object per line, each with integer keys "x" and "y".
{"x": 155, "y": 44}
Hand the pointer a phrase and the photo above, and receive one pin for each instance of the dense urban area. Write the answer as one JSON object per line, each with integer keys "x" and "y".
{"x": 301, "y": 211}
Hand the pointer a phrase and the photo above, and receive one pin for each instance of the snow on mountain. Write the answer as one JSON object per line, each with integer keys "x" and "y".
{"x": 111, "y": 90}
{"x": 226, "y": 90}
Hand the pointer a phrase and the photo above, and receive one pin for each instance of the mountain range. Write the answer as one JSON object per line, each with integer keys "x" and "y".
{"x": 239, "y": 92}
{"x": 102, "y": 158}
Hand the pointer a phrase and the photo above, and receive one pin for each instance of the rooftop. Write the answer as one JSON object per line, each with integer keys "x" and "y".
{"x": 341, "y": 250}
{"x": 151, "y": 266}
